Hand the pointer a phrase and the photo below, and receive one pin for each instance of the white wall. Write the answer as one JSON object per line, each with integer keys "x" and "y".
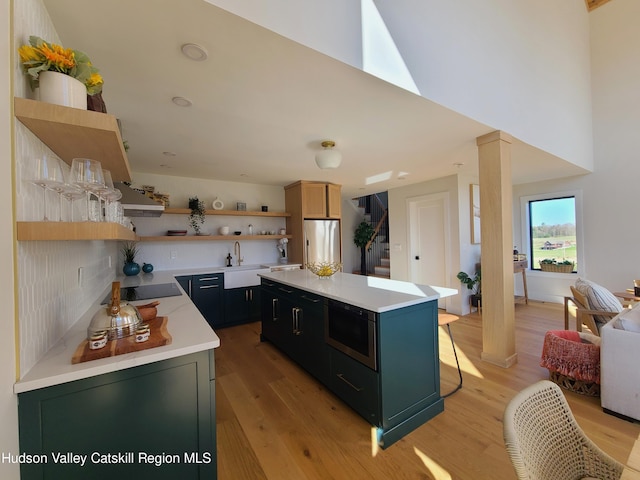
{"x": 463, "y": 255}
{"x": 8, "y": 404}
{"x": 522, "y": 67}
{"x": 610, "y": 225}
{"x": 213, "y": 253}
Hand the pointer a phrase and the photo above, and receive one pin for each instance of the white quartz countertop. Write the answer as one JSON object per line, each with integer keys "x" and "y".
{"x": 371, "y": 293}
{"x": 189, "y": 330}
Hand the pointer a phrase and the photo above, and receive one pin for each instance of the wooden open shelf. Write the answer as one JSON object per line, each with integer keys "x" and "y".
{"x": 75, "y": 133}
{"x": 238, "y": 213}
{"x": 73, "y": 231}
{"x": 209, "y": 238}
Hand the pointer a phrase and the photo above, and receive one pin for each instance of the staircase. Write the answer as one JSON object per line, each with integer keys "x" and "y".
{"x": 375, "y": 211}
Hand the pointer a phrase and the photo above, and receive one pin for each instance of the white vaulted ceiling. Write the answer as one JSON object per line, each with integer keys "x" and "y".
{"x": 262, "y": 104}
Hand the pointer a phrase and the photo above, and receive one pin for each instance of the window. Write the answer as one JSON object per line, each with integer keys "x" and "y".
{"x": 551, "y": 229}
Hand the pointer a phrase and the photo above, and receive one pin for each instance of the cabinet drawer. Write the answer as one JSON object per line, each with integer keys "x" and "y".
{"x": 355, "y": 384}
{"x": 208, "y": 279}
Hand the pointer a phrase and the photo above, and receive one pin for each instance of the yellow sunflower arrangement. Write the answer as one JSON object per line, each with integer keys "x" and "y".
{"x": 40, "y": 56}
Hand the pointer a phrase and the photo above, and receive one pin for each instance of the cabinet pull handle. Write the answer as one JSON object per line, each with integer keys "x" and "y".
{"x": 314, "y": 300}
{"x": 341, "y": 377}
{"x": 201, "y": 287}
{"x": 299, "y": 316}
{"x": 205, "y": 279}
{"x": 285, "y": 290}
{"x": 274, "y": 309}
{"x": 295, "y": 316}
{"x": 190, "y": 286}
{"x": 250, "y": 295}
{"x": 264, "y": 282}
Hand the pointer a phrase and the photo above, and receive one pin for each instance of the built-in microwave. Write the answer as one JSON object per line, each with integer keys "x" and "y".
{"x": 352, "y": 330}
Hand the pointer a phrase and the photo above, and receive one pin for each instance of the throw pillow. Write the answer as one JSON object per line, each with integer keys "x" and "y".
{"x": 599, "y": 298}
{"x": 629, "y": 321}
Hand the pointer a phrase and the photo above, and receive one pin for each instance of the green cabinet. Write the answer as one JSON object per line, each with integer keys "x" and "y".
{"x": 152, "y": 421}
{"x": 293, "y": 320}
{"x": 400, "y": 395}
{"x": 241, "y": 305}
{"x": 206, "y": 293}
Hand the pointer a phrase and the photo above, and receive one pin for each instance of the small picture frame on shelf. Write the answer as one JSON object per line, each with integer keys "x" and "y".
{"x": 241, "y": 206}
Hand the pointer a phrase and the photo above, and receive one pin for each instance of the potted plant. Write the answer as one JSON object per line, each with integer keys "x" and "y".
{"x": 473, "y": 283}
{"x": 361, "y": 238}
{"x": 129, "y": 252}
{"x": 42, "y": 62}
{"x": 552, "y": 265}
{"x": 197, "y": 215}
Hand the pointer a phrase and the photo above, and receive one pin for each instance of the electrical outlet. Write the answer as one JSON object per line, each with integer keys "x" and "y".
{"x": 173, "y": 254}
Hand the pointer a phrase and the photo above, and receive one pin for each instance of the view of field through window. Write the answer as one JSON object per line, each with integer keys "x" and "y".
{"x": 552, "y": 231}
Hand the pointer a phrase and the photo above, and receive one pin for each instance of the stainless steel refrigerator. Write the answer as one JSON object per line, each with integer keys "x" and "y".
{"x": 322, "y": 241}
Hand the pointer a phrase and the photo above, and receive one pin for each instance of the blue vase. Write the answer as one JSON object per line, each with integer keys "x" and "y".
{"x": 147, "y": 268}
{"x": 131, "y": 269}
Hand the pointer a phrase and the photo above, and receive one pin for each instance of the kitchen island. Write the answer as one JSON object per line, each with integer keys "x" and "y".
{"x": 372, "y": 341}
{"x": 145, "y": 414}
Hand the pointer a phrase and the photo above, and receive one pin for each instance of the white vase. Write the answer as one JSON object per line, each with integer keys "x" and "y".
{"x": 61, "y": 89}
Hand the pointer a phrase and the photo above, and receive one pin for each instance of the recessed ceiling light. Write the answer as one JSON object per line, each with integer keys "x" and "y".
{"x": 181, "y": 101}
{"x": 194, "y": 52}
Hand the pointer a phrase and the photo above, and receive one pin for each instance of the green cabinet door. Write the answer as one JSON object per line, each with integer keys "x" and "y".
{"x": 242, "y": 305}
{"x": 207, "y": 296}
{"x": 153, "y": 421}
{"x": 293, "y": 320}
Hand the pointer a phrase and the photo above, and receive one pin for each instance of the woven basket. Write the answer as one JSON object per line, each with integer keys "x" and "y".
{"x": 588, "y": 389}
{"x": 551, "y": 267}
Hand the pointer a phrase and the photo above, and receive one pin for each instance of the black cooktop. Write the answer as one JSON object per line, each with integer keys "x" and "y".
{"x": 145, "y": 292}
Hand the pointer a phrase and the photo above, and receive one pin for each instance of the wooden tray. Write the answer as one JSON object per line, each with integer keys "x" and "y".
{"x": 159, "y": 336}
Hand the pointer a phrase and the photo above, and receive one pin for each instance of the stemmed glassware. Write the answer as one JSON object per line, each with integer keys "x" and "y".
{"x": 71, "y": 193}
{"x": 87, "y": 174}
{"x": 109, "y": 194}
{"x": 49, "y": 176}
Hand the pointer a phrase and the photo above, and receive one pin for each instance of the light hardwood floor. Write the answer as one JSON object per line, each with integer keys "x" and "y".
{"x": 274, "y": 421}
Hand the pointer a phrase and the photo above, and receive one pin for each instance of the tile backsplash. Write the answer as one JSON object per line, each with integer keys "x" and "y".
{"x": 50, "y": 296}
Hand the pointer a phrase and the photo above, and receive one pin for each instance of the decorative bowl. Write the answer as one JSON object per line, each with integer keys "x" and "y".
{"x": 324, "y": 269}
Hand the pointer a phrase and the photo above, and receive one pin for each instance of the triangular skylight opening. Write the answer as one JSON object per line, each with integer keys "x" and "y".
{"x": 380, "y": 56}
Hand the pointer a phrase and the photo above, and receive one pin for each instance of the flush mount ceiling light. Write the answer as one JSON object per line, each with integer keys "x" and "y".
{"x": 328, "y": 158}
{"x": 181, "y": 101}
{"x": 194, "y": 52}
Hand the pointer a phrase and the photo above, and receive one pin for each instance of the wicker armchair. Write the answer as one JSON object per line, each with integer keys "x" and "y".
{"x": 545, "y": 442}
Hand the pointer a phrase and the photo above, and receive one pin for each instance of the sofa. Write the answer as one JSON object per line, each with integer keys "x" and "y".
{"x": 619, "y": 361}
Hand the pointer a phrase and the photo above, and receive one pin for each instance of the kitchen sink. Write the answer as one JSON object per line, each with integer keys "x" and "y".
{"x": 243, "y": 276}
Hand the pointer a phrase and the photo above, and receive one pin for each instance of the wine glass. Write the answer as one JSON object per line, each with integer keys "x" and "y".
{"x": 49, "y": 176}
{"x": 71, "y": 193}
{"x": 87, "y": 174}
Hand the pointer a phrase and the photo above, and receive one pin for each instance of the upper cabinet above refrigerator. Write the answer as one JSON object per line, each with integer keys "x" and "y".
{"x": 315, "y": 199}
{"x": 306, "y": 200}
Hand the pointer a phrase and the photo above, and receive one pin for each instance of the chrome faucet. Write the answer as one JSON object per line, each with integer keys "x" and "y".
{"x": 236, "y": 252}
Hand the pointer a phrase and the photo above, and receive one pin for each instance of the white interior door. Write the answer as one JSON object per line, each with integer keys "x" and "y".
{"x": 429, "y": 240}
